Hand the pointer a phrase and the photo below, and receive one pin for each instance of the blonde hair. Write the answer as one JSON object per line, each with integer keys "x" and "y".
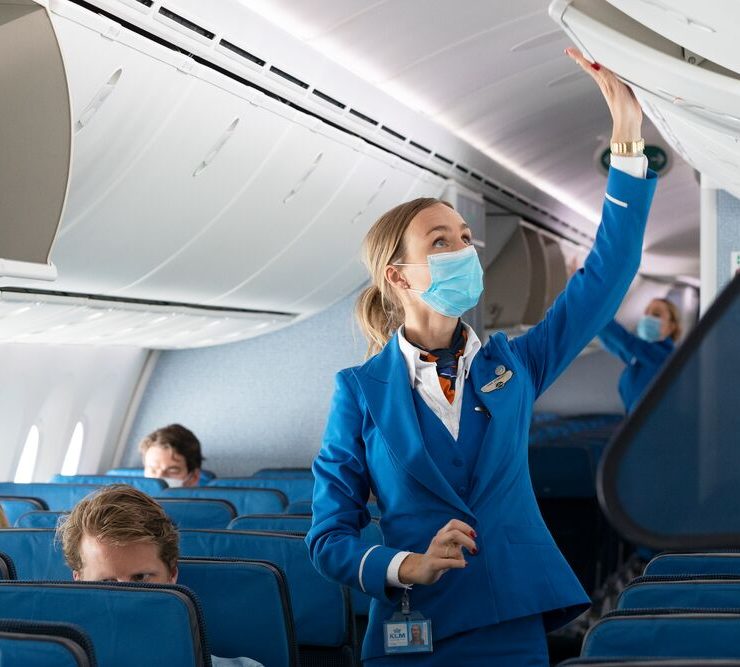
{"x": 119, "y": 515}
{"x": 378, "y": 309}
{"x": 675, "y": 318}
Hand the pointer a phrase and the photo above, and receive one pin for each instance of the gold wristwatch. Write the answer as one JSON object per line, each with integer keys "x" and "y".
{"x": 628, "y": 148}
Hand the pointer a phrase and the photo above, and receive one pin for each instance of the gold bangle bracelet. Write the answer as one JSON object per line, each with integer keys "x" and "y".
{"x": 628, "y": 148}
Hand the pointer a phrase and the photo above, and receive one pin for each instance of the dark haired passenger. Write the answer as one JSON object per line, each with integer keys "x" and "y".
{"x": 172, "y": 454}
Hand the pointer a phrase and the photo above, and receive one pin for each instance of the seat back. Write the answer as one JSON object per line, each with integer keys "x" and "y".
{"x": 58, "y": 497}
{"x": 198, "y": 512}
{"x": 284, "y": 472}
{"x": 205, "y": 475}
{"x": 649, "y": 662}
{"x": 321, "y": 608}
{"x": 39, "y": 519}
{"x": 300, "y": 524}
{"x": 684, "y": 634}
{"x": 294, "y": 488}
{"x": 300, "y": 507}
{"x": 33, "y": 644}
{"x": 694, "y": 563}
{"x": 683, "y": 592}
{"x": 35, "y": 553}
{"x": 14, "y": 508}
{"x": 7, "y": 567}
{"x": 154, "y": 625}
{"x": 146, "y": 484}
{"x": 246, "y": 501}
{"x": 246, "y": 607}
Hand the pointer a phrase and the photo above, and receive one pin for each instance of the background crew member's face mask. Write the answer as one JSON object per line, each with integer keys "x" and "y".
{"x": 648, "y": 328}
{"x": 175, "y": 482}
{"x": 457, "y": 281}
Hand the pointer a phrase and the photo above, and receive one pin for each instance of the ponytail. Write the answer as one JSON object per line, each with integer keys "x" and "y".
{"x": 378, "y": 310}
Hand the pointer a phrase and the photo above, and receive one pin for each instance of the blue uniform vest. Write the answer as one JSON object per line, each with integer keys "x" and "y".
{"x": 455, "y": 459}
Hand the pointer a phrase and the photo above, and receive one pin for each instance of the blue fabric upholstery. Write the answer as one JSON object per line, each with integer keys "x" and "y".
{"x": 284, "y": 472}
{"x": 694, "y": 634}
{"x": 246, "y": 607}
{"x": 205, "y": 475}
{"x": 198, "y": 512}
{"x": 130, "y": 624}
{"x": 295, "y": 488}
{"x": 35, "y": 553}
{"x": 562, "y": 471}
{"x": 30, "y": 644}
{"x": 245, "y": 501}
{"x": 649, "y": 662}
{"x": 39, "y": 519}
{"x": 301, "y": 524}
{"x": 688, "y": 592}
{"x": 7, "y": 567}
{"x": 14, "y": 508}
{"x": 300, "y": 507}
{"x": 145, "y": 484}
{"x": 320, "y": 607}
{"x": 58, "y": 497}
{"x": 699, "y": 563}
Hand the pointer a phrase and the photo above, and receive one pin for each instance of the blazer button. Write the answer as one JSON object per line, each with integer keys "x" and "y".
{"x": 458, "y": 463}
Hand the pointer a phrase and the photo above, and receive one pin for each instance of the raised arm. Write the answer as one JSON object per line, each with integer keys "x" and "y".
{"x": 594, "y": 293}
{"x": 341, "y": 491}
{"x": 627, "y": 346}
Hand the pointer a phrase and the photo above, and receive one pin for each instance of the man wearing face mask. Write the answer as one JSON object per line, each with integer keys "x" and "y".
{"x": 172, "y": 454}
{"x": 644, "y": 353}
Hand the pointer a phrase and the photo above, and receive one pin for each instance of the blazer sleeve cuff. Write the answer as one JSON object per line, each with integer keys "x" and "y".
{"x": 374, "y": 570}
{"x": 630, "y": 193}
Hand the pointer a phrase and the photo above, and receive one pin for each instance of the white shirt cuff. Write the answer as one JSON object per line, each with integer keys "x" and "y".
{"x": 391, "y": 575}
{"x": 634, "y": 166}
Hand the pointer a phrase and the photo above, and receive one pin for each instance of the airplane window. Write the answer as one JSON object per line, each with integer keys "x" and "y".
{"x": 27, "y": 464}
{"x": 74, "y": 451}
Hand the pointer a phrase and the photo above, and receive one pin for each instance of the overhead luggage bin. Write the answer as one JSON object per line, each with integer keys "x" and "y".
{"x": 702, "y": 92}
{"x": 669, "y": 479}
{"x": 36, "y": 139}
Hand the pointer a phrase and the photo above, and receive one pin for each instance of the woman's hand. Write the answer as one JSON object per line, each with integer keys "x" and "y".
{"x": 624, "y": 107}
{"x": 444, "y": 553}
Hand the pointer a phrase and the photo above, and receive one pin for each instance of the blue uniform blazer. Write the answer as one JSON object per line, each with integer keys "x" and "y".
{"x": 373, "y": 443}
{"x": 643, "y": 359}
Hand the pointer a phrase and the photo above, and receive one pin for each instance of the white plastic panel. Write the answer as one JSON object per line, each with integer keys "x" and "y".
{"x": 508, "y": 282}
{"x": 540, "y": 276}
{"x": 556, "y": 270}
{"x": 709, "y": 28}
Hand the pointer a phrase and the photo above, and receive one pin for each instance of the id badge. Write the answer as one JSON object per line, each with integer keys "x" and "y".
{"x": 407, "y": 631}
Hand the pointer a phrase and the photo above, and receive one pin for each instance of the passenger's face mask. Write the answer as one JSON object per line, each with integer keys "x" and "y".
{"x": 648, "y": 328}
{"x": 174, "y": 482}
{"x": 457, "y": 281}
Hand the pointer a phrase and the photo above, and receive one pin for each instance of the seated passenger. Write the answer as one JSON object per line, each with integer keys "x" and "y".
{"x": 172, "y": 454}
{"x": 645, "y": 353}
{"x": 3, "y": 519}
{"x": 121, "y": 534}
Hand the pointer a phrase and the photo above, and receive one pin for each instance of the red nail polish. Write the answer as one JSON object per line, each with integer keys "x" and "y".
{"x": 474, "y": 551}
{"x": 473, "y": 534}
{"x": 596, "y": 66}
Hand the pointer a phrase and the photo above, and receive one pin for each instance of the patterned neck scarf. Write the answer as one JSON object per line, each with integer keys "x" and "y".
{"x": 446, "y": 359}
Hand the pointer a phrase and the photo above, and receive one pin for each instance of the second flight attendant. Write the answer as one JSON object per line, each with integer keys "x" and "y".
{"x": 436, "y": 425}
{"x": 644, "y": 352}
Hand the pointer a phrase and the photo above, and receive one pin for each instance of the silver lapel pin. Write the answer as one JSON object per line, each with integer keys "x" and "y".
{"x": 502, "y": 377}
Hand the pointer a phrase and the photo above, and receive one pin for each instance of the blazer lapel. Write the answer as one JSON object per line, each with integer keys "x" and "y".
{"x": 384, "y": 381}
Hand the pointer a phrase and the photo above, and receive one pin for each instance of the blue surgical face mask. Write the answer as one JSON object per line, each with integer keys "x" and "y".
{"x": 457, "y": 281}
{"x": 648, "y": 328}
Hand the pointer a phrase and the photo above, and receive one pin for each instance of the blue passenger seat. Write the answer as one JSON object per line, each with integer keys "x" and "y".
{"x": 146, "y": 625}
{"x": 710, "y": 562}
{"x": 321, "y": 608}
{"x": 7, "y": 567}
{"x": 246, "y": 607}
{"x": 35, "y": 553}
{"x": 198, "y": 512}
{"x": 40, "y": 644}
{"x": 682, "y": 592}
{"x": 146, "y": 484}
{"x": 15, "y": 507}
{"x": 245, "y": 501}
{"x": 205, "y": 475}
{"x": 58, "y": 497}
{"x": 39, "y": 519}
{"x": 689, "y": 633}
{"x": 295, "y": 488}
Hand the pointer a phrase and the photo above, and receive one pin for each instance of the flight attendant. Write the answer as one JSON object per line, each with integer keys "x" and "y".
{"x": 435, "y": 425}
{"x": 644, "y": 352}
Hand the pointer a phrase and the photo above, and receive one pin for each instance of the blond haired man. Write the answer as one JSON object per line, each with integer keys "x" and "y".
{"x": 120, "y": 534}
